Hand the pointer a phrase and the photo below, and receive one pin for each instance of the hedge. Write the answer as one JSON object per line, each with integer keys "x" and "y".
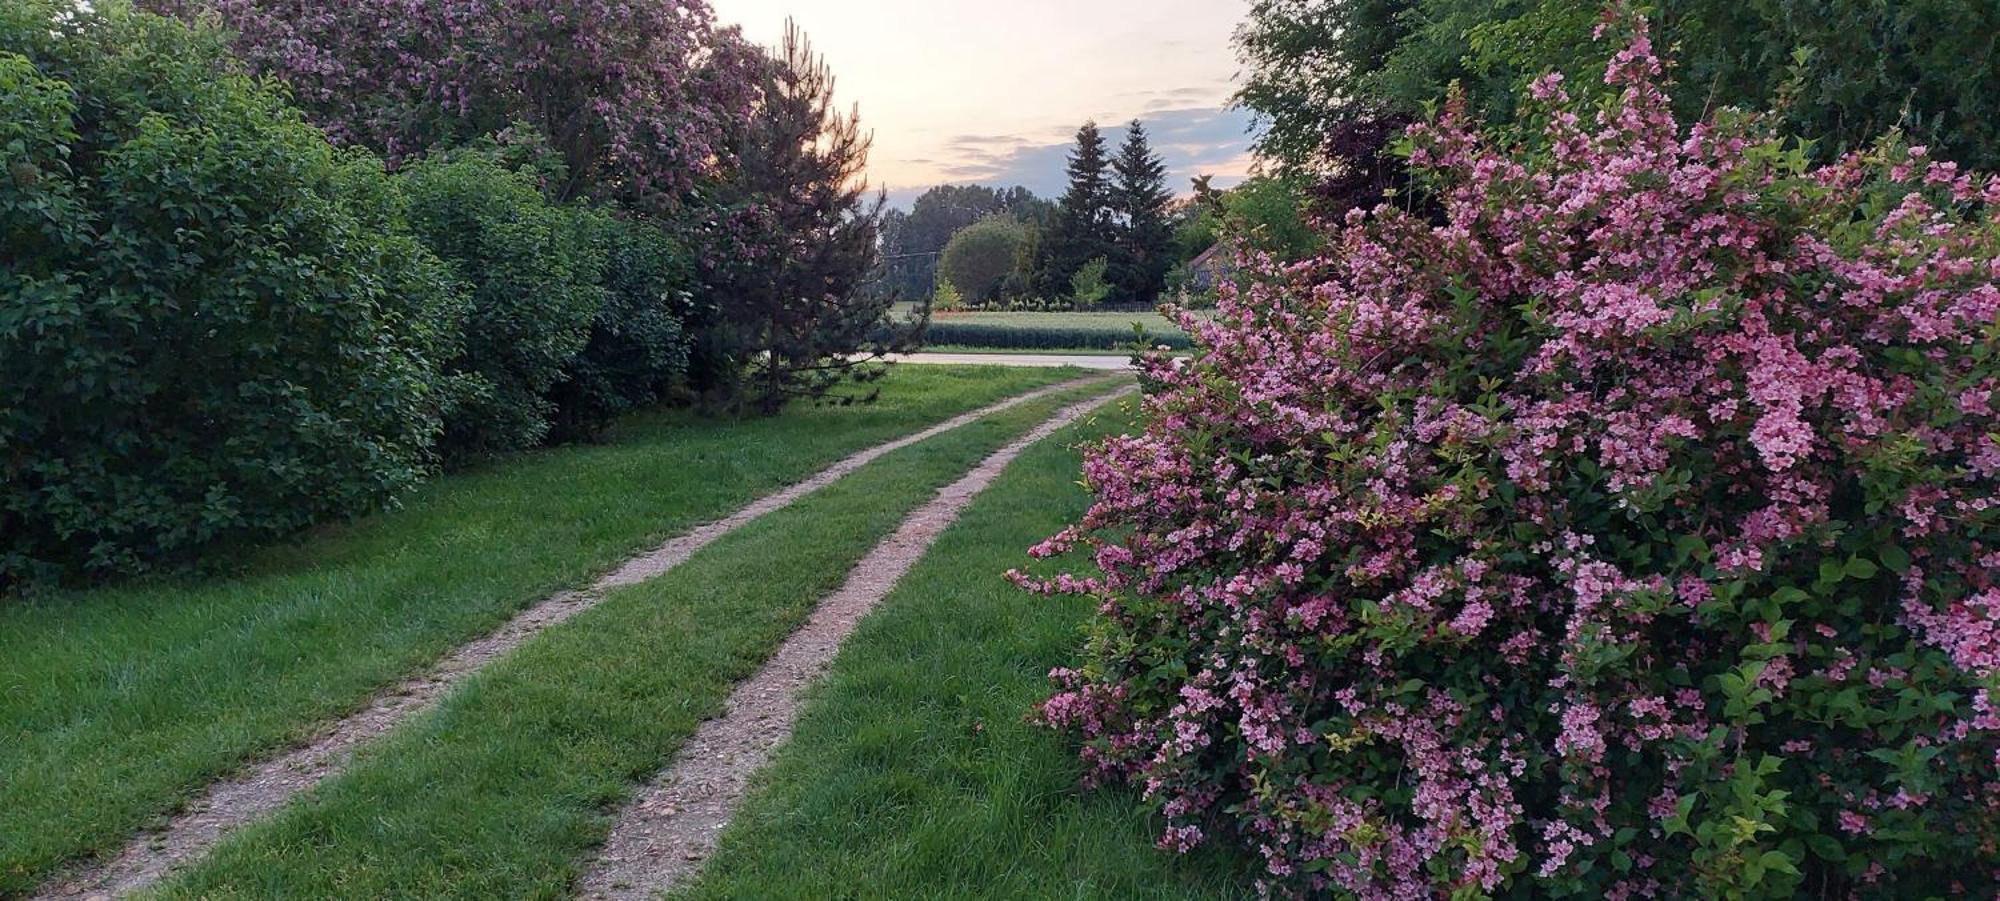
{"x": 213, "y": 325}
{"x": 534, "y": 271}
{"x": 640, "y": 339}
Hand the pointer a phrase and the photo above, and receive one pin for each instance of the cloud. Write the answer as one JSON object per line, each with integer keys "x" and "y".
{"x": 1194, "y": 140}
{"x": 983, "y": 140}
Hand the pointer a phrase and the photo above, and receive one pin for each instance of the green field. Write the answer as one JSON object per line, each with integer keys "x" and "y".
{"x": 1098, "y": 332}
{"x": 1153, "y": 322}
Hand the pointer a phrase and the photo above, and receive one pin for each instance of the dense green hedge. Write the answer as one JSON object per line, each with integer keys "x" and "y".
{"x": 212, "y": 324}
{"x": 639, "y": 341}
{"x": 1043, "y": 338}
{"x": 535, "y": 273}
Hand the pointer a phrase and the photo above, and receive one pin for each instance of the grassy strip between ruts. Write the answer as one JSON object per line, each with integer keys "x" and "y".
{"x": 503, "y": 790}
{"x": 914, "y": 773}
{"x": 117, "y": 704}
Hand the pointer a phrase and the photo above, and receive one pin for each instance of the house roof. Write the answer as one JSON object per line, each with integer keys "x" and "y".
{"x": 1212, "y": 258}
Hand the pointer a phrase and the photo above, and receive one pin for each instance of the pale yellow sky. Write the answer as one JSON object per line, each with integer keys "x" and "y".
{"x": 991, "y": 91}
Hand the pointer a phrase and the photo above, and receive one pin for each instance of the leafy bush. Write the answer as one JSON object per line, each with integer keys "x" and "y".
{"x": 1088, "y": 287}
{"x": 1317, "y": 69}
{"x": 638, "y": 345}
{"x": 534, "y": 271}
{"x": 947, "y": 298}
{"x": 1630, "y": 533}
{"x": 1266, "y": 213}
{"x": 213, "y": 327}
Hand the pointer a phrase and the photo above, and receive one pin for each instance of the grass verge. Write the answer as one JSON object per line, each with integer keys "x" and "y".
{"x": 118, "y": 704}
{"x": 507, "y": 786}
{"x": 913, "y": 772}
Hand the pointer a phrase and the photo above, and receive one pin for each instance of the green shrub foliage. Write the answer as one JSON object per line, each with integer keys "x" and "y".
{"x": 213, "y": 326}
{"x": 1844, "y": 71}
{"x": 534, "y": 271}
{"x": 638, "y": 345}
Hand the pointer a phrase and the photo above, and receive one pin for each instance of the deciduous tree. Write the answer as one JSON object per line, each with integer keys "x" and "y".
{"x": 912, "y": 241}
{"x": 981, "y": 257}
{"x": 637, "y": 95}
{"x": 1319, "y": 69}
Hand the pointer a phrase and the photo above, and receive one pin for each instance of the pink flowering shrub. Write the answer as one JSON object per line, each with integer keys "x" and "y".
{"x": 1632, "y": 533}
{"x": 639, "y": 96}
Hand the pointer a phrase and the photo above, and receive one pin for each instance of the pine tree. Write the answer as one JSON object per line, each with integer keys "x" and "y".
{"x": 794, "y": 322}
{"x": 1081, "y": 231}
{"x": 1143, "y": 250}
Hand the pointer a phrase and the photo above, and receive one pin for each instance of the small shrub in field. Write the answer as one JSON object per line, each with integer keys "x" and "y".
{"x": 1630, "y": 533}
{"x": 947, "y": 299}
{"x": 213, "y": 326}
{"x": 534, "y": 271}
{"x": 639, "y": 340}
{"x": 1089, "y": 287}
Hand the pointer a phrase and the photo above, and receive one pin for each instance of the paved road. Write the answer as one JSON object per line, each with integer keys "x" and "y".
{"x": 1107, "y": 362}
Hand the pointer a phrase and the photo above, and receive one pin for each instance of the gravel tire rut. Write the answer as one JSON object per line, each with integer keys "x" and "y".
{"x": 665, "y": 834}
{"x": 267, "y": 785}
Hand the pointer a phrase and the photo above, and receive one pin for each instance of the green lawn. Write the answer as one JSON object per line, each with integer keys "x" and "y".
{"x": 118, "y": 704}
{"x": 914, "y": 774}
{"x": 1081, "y": 332}
{"x": 1051, "y": 331}
{"x": 504, "y": 790}
{"x": 1040, "y": 352}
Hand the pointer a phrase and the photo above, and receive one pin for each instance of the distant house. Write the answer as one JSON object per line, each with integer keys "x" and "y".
{"x": 1215, "y": 265}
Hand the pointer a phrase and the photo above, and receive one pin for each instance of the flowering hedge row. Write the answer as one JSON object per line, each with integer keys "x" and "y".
{"x": 1632, "y": 532}
{"x": 638, "y": 97}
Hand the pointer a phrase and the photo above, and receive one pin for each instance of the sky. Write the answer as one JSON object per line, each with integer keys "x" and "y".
{"x": 992, "y": 91}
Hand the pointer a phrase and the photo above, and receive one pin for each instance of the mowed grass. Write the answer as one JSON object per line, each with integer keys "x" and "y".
{"x": 914, "y": 772}
{"x": 503, "y": 791}
{"x": 118, "y": 704}
{"x": 1049, "y": 352}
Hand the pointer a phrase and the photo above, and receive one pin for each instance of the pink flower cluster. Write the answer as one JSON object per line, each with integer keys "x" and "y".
{"x": 1630, "y": 532}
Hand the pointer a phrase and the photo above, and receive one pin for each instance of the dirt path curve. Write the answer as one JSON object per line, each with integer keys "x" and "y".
{"x": 269, "y": 784}
{"x": 666, "y": 833}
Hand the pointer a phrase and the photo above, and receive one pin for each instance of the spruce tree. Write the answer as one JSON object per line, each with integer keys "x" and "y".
{"x": 1143, "y": 251}
{"x": 1081, "y": 231}
{"x": 793, "y": 320}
